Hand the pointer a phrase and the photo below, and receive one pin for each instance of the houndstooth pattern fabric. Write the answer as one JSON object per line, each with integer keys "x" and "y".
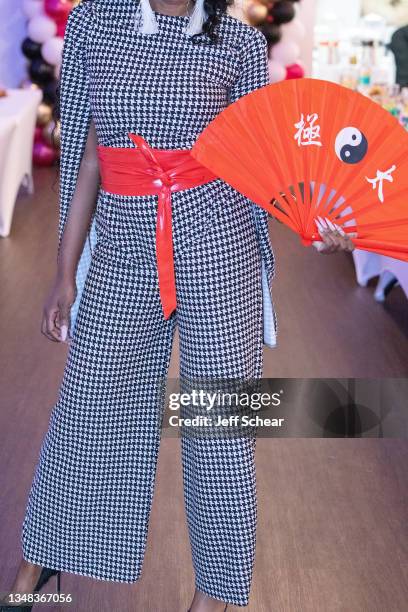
{"x": 237, "y": 66}
{"x": 89, "y": 504}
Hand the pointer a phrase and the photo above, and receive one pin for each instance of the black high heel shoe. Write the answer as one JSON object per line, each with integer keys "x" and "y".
{"x": 45, "y": 575}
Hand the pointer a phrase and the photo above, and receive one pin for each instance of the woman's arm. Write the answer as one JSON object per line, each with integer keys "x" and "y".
{"x": 79, "y": 175}
{"x": 57, "y": 307}
{"x": 81, "y": 208}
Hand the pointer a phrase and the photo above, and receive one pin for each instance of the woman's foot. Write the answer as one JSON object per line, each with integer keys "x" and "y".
{"x": 204, "y": 603}
{"x": 26, "y": 578}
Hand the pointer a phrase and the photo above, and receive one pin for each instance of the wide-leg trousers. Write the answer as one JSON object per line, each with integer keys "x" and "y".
{"x": 89, "y": 504}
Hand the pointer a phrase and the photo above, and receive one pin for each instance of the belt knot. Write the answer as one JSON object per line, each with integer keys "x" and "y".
{"x": 165, "y": 179}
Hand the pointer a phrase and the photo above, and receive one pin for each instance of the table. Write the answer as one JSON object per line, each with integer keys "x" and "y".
{"x": 368, "y": 265}
{"x": 18, "y": 113}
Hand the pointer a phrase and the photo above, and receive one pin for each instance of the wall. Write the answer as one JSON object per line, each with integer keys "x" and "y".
{"x": 348, "y": 11}
{"x": 12, "y": 33}
{"x": 306, "y": 12}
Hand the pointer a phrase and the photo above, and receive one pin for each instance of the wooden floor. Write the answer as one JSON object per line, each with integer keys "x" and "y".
{"x": 332, "y": 532}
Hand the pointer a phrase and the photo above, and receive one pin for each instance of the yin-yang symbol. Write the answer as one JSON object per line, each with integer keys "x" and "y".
{"x": 351, "y": 145}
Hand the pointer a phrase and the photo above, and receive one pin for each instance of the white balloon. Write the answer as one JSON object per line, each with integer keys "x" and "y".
{"x": 277, "y": 72}
{"x": 285, "y": 52}
{"x": 41, "y": 29}
{"x": 294, "y": 30}
{"x": 51, "y": 50}
{"x": 32, "y": 8}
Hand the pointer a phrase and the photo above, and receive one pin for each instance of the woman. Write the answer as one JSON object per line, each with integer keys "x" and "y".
{"x": 161, "y": 71}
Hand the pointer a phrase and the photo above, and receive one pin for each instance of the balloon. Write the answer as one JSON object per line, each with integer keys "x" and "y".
{"x": 44, "y": 114}
{"x": 51, "y": 134}
{"x": 283, "y": 12}
{"x": 43, "y": 154}
{"x": 295, "y": 71}
{"x": 61, "y": 26}
{"x": 57, "y": 9}
{"x": 256, "y": 12}
{"x": 295, "y": 30}
{"x": 277, "y": 72}
{"x": 28, "y": 84}
{"x": 32, "y": 8}
{"x": 272, "y": 33}
{"x": 41, "y": 28}
{"x": 41, "y": 72}
{"x": 286, "y": 52}
{"x": 49, "y": 92}
{"x": 51, "y": 50}
{"x": 38, "y": 136}
{"x": 30, "y": 48}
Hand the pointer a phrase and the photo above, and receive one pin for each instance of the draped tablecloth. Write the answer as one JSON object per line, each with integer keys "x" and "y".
{"x": 18, "y": 112}
{"x": 368, "y": 265}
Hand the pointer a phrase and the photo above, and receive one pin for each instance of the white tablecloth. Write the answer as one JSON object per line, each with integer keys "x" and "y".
{"x": 368, "y": 265}
{"x": 18, "y": 112}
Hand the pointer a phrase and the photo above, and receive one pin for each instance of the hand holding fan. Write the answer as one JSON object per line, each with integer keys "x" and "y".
{"x": 331, "y": 151}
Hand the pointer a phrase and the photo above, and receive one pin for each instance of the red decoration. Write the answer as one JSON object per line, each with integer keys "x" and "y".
{"x": 295, "y": 71}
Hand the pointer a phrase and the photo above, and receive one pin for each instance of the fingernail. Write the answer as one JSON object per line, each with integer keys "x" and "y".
{"x": 319, "y": 226}
{"x": 330, "y": 224}
{"x": 318, "y": 245}
{"x": 64, "y": 331}
{"x": 322, "y": 221}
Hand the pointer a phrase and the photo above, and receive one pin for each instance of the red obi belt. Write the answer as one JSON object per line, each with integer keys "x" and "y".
{"x": 146, "y": 171}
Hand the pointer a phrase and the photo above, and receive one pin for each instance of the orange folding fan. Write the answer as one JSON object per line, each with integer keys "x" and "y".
{"x": 305, "y": 148}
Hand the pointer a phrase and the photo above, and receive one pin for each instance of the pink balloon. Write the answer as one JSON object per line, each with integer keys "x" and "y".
{"x": 294, "y": 30}
{"x": 285, "y": 52}
{"x": 51, "y": 50}
{"x": 38, "y": 133}
{"x": 277, "y": 72}
{"x": 57, "y": 9}
{"x": 295, "y": 71}
{"x": 41, "y": 28}
{"x": 43, "y": 154}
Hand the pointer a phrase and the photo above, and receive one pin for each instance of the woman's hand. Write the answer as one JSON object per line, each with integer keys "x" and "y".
{"x": 56, "y": 312}
{"x": 334, "y": 238}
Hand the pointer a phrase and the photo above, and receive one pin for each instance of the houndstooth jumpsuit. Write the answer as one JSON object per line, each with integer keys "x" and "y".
{"x": 89, "y": 504}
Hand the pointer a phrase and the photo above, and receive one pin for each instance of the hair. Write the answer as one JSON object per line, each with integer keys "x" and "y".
{"x": 214, "y": 10}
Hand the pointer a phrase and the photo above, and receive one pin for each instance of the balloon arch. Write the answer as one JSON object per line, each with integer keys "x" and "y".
{"x": 284, "y": 31}
{"x": 43, "y": 49}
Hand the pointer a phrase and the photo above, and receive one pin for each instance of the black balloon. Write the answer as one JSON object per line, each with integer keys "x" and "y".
{"x": 49, "y": 92}
{"x": 31, "y": 49}
{"x": 272, "y": 32}
{"x": 41, "y": 72}
{"x": 283, "y": 12}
